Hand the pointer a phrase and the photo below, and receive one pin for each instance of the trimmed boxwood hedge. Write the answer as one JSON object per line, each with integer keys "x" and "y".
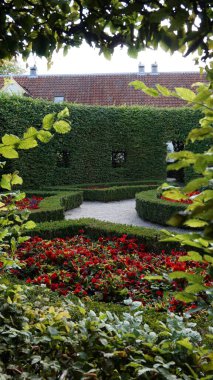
{"x": 96, "y": 228}
{"x": 109, "y": 194}
{"x": 114, "y": 193}
{"x": 101, "y": 185}
{"x": 85, "y": 154}
{"x": 53, "y": 207}
{"x": 56, "y": 202}
{"x": 154, "y": 209}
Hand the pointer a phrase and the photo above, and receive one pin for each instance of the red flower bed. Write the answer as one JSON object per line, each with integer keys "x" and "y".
{"x": 186, "y": 201}
{"x": 27, "y": 203}
{"x": 110, "y": 269}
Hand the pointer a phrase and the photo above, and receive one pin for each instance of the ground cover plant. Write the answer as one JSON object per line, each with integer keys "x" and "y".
{"x": 108, "y": 269}
{"x": 42, "y": 337}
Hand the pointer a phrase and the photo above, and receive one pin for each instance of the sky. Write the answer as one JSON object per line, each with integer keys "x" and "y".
{"x": 86, "y": 60}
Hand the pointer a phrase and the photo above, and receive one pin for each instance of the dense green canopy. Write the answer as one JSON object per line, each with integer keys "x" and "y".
{"x": 42, "y": 26}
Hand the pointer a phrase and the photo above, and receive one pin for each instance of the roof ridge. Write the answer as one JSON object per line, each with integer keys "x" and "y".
{"x": 102, "y": 74}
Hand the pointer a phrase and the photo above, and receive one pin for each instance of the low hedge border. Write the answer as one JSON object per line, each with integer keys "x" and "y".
{"x": 154, "y": 209}
{"x": 96, "y": 228}
{"x": 103, "y": 184}
{"x": 57, "y": 201}
{"x": 115, "y": 193}
{"x": 110, "y": 194}
{"x": 52, "y": 207}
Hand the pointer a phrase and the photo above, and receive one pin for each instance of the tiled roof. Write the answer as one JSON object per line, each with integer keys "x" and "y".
{"x": 106, "y": 89}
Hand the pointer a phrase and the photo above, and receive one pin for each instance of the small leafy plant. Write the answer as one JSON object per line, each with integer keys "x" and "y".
{"x": 199, "y": 213}
{"x": 13, "y": 222}
{"x": 64, "y": 340}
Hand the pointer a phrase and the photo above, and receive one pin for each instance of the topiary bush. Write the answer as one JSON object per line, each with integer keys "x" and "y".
{"x": 53, "y": 207}
{"x": 154, "y": 209}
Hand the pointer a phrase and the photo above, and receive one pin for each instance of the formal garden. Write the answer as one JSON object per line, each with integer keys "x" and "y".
{"x": 91, "y": 300}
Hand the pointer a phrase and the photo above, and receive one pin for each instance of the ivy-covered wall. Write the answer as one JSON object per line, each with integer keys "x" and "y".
{"x": 136, "y": 135}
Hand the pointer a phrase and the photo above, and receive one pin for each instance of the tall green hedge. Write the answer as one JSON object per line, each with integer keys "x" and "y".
{"x": 97, "y": 131}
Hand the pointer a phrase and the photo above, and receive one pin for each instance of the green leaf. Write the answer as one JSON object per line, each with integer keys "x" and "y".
{"x": 63, "y": 113}
{"x": 208, "y": 367}
{"x": 48, "y": 121}
{"x": 153, "y": 278}
{"x": 186, "y": 343}
{"x": 20, "y": 196}
{"x": 163, "y": 90}
{"x": 132, "y": 52}
{"x": 29, "y": 143}
{"x": 179, "y": 165}
{"x": 52, "y": 330}
{"x": 151, "y": 92}
{"x": 35, "y": 359}
{"x": 16, "y": 179}
{"x": 22, "y": 239}
{"x": 185, "y": 297}
{"x": 195, "y": 288}
{"x": 195, "y": 184}
{"x": 30, "y": 132}
{"x": 8, "y": 152}
{"x": 185, "y": 94}
{"x": 208, "y": 258}
{"x": 192, "y": 256}
{"x": 44, "y": 136}
{"x": 6, "y": 181}
{"x": 175, "y": 194}
{"x": 195, "y": 223}
{"x": 10, "y": 139}
{"x": 138, "y": 85}
{"x": 107, "y": 53}
{"x": 61, "y": 126}
{"x": 199, "y": 134}
{"x": 3, "y": 233}
{"x": 188, "y": 276}
{"x": 30, "y": 225}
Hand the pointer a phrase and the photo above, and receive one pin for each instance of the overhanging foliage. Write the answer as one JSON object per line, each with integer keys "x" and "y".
{"x": 44, "y": 26}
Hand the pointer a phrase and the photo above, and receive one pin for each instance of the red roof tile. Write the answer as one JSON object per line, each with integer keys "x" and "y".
{"x": 106, "y": 89}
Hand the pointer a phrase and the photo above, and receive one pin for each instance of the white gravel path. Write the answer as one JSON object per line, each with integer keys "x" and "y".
{"x": 122, "y": 212}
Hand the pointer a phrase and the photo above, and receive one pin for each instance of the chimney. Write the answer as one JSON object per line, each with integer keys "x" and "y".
{"x": 154, "y": 69}
{"x": 141, "y": 69}
{"x": 33, "y": 72}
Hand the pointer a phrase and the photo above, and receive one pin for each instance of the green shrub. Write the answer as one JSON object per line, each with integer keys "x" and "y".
{"x": 96, "y": 228}
{"x": 43, "y": 341}
{"x": 85, "y": 154}
{"x": 100, "y": 185}
{"x": 107, "y": 192}
{"x": 53, "y": 207}
{"x": 114, "y": 193}
{"x": 154, "y": 209}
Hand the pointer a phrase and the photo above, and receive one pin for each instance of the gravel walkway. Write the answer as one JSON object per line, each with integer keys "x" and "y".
{"x": 122, "y": 212}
